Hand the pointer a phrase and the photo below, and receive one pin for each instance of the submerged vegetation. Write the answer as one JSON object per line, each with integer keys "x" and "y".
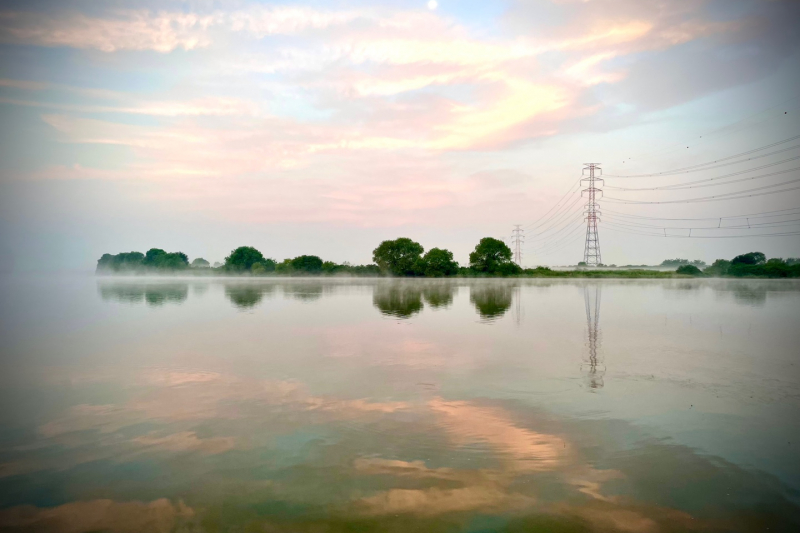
{"x": 404, "y": 257}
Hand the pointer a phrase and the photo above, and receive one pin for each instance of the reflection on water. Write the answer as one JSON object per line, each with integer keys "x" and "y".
{"x": 305, "y": 291}
{"x": 404, "y": 298}
{"x": 320, "y": 415}
{"x": 439, "y": 294}
{"x": 492, "y": 300}
{"x": 247, "y": 295}
{"x": 593, "y": 369}
{"x": 398, "y": 299}
{"x": 151, "y": 293}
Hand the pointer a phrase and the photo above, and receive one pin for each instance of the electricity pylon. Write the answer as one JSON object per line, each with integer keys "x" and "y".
{"x": 517, "y": 239}
{"x": 591, "y": 251}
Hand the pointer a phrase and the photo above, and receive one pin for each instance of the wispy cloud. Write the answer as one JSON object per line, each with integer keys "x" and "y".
{"x": 303, "y": 107}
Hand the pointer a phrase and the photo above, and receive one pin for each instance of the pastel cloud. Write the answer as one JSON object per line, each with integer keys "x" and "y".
{"x": 129, "y": 30}
{"x": 290, "y": 113}
{"x": 161, "y": 31}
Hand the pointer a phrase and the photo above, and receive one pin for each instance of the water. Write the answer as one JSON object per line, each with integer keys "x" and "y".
{"x": 328, "y": 405}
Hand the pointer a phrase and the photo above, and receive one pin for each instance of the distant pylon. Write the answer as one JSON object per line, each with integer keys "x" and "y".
{"x": 591, "y": 252}
{"x": 517, "y": 239}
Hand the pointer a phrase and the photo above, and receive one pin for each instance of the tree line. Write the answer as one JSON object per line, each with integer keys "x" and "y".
{"x": 399, "y": 257}
{"x": 404, "y": 257}
{"x": 753, "y": 264}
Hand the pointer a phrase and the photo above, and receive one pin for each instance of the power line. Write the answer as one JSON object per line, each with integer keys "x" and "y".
{"x": 716, "y": 198}
{"x": 560, "y": 243}
{"x": 691, "y": 184}
{"x": 695, "y": 168}
{"x": 763, "y": 214}
{"x": 580, "y": 215}
{"x": 570, "y": 191}
{"x": 783, "y": 234}
{"x": 730, "y": 127}
{"x": 552, "y": 239}
{"x": 719, "y": 227}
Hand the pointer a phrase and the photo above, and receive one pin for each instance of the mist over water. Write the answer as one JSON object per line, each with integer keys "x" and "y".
{"x": 145, "y": 404}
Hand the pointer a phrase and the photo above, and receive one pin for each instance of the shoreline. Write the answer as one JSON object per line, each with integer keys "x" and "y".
{"x": 551, "y": 274}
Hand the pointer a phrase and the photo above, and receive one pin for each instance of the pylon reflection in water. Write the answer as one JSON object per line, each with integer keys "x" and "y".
{"x": 592, "y": 368}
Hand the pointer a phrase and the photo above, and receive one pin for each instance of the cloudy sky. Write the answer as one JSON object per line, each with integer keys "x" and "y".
{"x": 326, "y": 127}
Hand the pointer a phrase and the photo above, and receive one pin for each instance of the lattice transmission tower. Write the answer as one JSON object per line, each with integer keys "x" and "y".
{"x": 591, "y": 251}
{"x": 517, "y": 240}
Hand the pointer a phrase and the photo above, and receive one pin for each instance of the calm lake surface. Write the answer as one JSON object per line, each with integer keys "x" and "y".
{"x": 297, "y": 405}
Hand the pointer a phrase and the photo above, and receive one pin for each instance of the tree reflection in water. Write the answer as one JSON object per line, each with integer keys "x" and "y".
{"x": 304, "y": 291}
{"x": 439, "y": 295}
{"x": 404, "y": 299}
{"x": 491, "y": 300}
{"x": 246, "y": 296}
{"x": 154, "y": 294}
{"x": 400, "y": 299}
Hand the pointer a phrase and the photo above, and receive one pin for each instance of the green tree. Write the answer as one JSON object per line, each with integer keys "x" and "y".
{"x": 200, "y": 263}
{"x": 329, "y": 267}
{"x": 243, "y": 258}
{"x": 753, "y": 258}
{"x": 307, "y": 264}
{"x": 284, "y": 267}
{"x": 492, "y": 256}
{"x": 122, "y": 261}
{"x": 689, "y": 270}
{"x": 750, "y": 264}
{"x": 399, "y": 257}
{"x": 719, "y": 267}
{"x": 159, "y": 259}
{"x": 437, "y": 263}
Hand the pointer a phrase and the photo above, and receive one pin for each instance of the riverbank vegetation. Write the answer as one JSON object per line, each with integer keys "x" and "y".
{"x": 404, "y": 257}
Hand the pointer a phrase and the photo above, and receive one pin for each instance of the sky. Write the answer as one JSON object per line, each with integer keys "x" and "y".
{"x": 326, "y": 127}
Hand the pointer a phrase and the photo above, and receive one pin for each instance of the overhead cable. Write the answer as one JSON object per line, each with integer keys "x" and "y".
{"x": 691, "y": 184}
{"x": 695, "y": 168}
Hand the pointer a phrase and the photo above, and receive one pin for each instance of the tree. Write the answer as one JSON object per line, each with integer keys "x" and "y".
{"x": 159, "y": 259}
{"x": 122, "y": 261}
{"x": 437, "y": 263}
{"x": 689, "y": 270}
{"x": 243, "y": 258}
{"x": 719, "y": 267}
{"x": 200, "y": 263}
{"x": 309, "y": 264}
{"x": 399, "y": 257}
{"x": 753, "y": 258}
{"x": 492, "y": 256}
{"x": 154, "y": 256}
{"x": 264, "y": 266}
